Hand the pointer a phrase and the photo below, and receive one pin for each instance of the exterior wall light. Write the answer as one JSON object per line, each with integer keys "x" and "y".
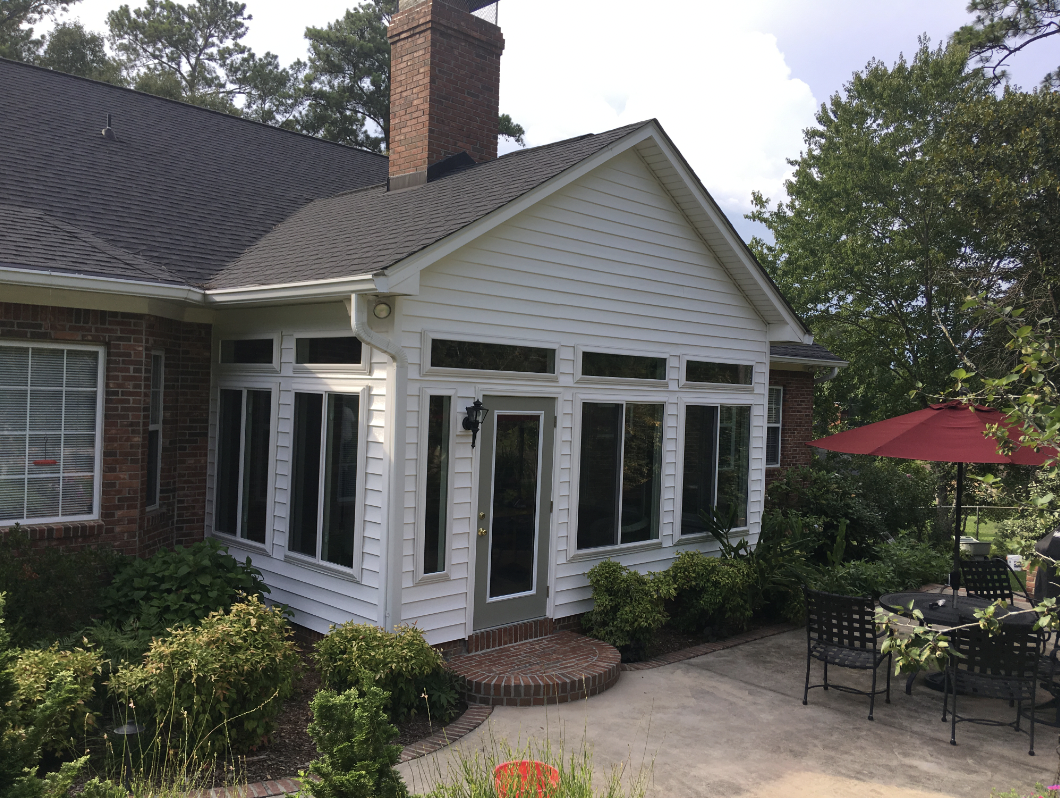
{"x": 476, "y": 414}
{"x": 381, "y": 310}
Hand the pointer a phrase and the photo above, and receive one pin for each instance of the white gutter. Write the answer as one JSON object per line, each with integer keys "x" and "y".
{"x": 35, "y": 278}
{"x": 809, "y": 361}
{"x": 394, "y": 440}
{"x": 341, "y": 287}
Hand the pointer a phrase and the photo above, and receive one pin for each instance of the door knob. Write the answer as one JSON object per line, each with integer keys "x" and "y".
{"x": 482, "y": 532}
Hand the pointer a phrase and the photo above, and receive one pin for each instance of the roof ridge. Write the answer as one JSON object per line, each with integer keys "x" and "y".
{"x": 244, "y": 119}
{"x": 583, "y": 136}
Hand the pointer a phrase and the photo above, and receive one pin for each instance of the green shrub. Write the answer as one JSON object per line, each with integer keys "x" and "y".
{"x": 1017, "y": 535}
{"x": 50, "y": 592}
{"x": 36, "y": 671}
{"x": 627, "y": 607}
{"x": 857, "y": 578}
{"x": 913, "y": 563}
{"x": 400, "y": 663}
{"x": 179, "y": 586}
{"x": 710, "y": 592}
{"x": 219, "y": 684}
{"x": 353, "y": 734}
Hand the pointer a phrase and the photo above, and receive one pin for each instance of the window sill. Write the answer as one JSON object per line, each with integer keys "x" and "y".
{"x": 428, "y": 579}
{"x": 240, "y": 543}
{"x": 336, "y": 571}
{"x": 608, "y": 551}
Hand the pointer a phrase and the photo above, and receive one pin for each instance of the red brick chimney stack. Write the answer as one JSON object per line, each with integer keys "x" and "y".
{"x": 445, "y": 71}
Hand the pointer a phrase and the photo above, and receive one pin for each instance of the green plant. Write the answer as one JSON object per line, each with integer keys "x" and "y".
{"x": 353, "y": 734}
{"x": 913, "y": 563}
{"x": 856, "y": 578}
{"x": 627, "y": 607}
{"x": 401, "y": 663}
{"x": 219, "y": 684}
{"x": 35, "y": 672}
{"x": 50, "y": 592}
{"x": 709, "y": 592}
{"x": 179, "y": 586}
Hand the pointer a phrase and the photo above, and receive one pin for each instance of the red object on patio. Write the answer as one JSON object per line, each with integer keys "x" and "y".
{"x": 953, "y": 432}
{"x": 525, "y": 775}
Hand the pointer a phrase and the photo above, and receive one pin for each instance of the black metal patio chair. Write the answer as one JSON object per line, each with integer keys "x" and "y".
{"x": 1002, "y": 666}
{"x": 841, "y": 630}
{"x": 989, "y": 579}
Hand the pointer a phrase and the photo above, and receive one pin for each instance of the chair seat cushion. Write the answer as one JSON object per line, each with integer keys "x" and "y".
{"x": 863, "y": 658}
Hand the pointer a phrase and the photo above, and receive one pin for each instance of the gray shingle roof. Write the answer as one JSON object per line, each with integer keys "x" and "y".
{"x": 804, "y": 351}
{"x": 181, "y": 187}
{"x": 365, "y": 231}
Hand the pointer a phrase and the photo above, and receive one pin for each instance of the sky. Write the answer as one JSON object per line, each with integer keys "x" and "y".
{"x": 734, "y": 84}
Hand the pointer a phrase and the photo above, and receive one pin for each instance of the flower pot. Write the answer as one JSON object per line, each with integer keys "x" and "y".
{"x": 524, "y": 778}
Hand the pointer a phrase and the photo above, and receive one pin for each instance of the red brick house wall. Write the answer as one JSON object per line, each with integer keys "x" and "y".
{"x": 129, "y": 339}
{"x": 796, "y": 419}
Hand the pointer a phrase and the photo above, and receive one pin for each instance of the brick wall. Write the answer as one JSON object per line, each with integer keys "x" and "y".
{"x": 796, "y": 419}
{"x": 444, "y": 86}
{"x": 129, "y": 340}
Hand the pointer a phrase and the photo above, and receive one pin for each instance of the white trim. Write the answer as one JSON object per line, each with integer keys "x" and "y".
{"x": 308, "y": 291}
{"x": 421, "y": 486}
{"x": 97, "y": 472}
{"x": 428, "y": 369}
{"x": 581, "y": 349}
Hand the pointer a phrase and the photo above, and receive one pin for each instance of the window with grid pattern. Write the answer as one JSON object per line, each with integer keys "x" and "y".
{"x": 49, "y": 432}
{"x": 773, "y": 418}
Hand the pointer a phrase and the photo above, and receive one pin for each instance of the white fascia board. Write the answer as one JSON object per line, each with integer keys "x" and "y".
{"x": 103, "y": 285}
{"x": 809, "y": 361}
{"x": 726, "y": 230}
{"x": 428, "y": 255}
{"x": 337, "y": 288}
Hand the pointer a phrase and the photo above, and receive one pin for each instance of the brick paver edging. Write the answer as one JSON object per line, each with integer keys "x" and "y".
{"x": 709, "y": 648}
{"x": 474, "y": 717}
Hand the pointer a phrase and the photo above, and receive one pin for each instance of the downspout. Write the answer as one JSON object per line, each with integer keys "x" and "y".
{"x": 826, "y": 377}
{"x": 395, "y": 433}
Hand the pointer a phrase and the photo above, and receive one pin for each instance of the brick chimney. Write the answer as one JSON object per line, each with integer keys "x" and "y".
{"x": 445, "y": 70}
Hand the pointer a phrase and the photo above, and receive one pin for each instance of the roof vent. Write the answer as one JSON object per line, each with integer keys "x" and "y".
{"x": 108, "y": 131}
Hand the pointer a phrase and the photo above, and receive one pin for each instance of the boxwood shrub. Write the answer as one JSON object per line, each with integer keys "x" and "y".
{"x": 218, "y": 685}
{"x": 401, "y": 663}
{"x": 627, "y": 607}
{"x": 710, "y": 592}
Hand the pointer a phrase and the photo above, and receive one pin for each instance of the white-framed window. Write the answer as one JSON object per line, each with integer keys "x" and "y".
{"x": 462, "y": 355}
{"x": 435, "y": 489}
{"x": 620, "y": 367}
{"x": 715, "y": 464}
{"x": 51, "y": 429}
{"x": 327, "y": 477}
{"x": 330, "y": 352}
{"x": 620, "y": 472}
{"x": 154, "y": 430}
{"x": 244, "y": 463}
{"x": 249, "y": 353}
{"x": 774, "y": 416}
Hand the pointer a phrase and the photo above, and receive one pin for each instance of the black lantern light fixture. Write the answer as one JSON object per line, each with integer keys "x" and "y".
{"x": 476, "y": 414}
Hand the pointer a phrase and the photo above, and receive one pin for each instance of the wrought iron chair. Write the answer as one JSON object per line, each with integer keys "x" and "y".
{"x": 989, "y": 579}
{"x": 841, "y": 630}
{"x": 1004, "y": 666}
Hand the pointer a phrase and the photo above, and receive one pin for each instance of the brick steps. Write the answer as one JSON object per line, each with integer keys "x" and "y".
{"x": 548, "y": 670}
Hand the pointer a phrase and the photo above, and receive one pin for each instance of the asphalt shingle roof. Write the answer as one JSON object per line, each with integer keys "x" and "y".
{"x": 806, "y": 351}
{"x": 181, "y": 187}
{"x": 366, "y": 231}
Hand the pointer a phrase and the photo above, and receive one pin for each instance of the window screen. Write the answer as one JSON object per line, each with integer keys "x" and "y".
{"x": 734, "y": 457}
{"x": 482, "y": 356}
{"x": 724, "y": 373}
{"x": 243, "y": 463}
{"x": 635, "y": 367}
{"x": 773, "y": 420}
{"x": 48, "y": 432}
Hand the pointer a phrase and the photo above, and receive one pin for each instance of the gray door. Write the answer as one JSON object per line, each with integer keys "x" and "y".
{"x": 514, "y": 510}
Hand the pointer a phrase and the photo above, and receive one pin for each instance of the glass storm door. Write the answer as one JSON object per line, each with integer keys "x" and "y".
{"x": 514, "y": 510}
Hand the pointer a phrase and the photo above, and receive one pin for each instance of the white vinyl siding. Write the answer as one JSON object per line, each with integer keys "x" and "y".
{"x": 51, "y": 422}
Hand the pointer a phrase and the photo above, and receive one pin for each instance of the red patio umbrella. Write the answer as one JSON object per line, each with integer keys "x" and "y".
{"x": 954, "y": 432}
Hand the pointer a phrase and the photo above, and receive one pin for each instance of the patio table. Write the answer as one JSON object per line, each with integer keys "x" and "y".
{"x": 938, "y": 610}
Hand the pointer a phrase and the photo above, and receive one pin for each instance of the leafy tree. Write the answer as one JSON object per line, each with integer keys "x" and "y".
{"x": 72, "y": 49}
{"x": 17, "y": 18}
{"x": 271, "y": 94}
{"x": 512, "y": 130}
{"x": 1003, "y": 28}
{"x": 865, "y": 246}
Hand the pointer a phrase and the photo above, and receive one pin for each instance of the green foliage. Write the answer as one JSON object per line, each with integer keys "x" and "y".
{"x": 1004, "y": 27}
{"x": 36, "y": 672}
{"x": 627, "y": 606}
{"x": 220, "y": 684}
{"x": 101, "y": 788}
{"x": 510, "y": 129}
{"x": 73, "y": 49}
{"x": 50, "y": 592}
{"x": 401, "y": 663}
{"x": 353, "y": 734}
{"x": 865, "y": 246}
{"x": 710, "y": 592}
{"x": 914, "y": 563}
{"x": 1019, "y": 533}
{"x": 180, "y": 586}
{"x": 17, "y": 21}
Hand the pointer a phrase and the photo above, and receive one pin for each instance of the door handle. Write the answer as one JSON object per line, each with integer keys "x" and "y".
{"x": 481, "y": 515}
{"x": 482, "y": 532}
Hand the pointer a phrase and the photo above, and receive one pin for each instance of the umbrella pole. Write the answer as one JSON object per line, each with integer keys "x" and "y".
{"x": 955, "y": 575}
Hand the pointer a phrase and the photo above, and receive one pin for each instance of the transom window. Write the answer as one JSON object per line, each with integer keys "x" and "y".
{"x": 244, "y": 463}
{"x": 247, "y": 351}
{"x": 621, "y": 473}
{"x": 345, "y": 350}
{"x": 49, "y": 432}
{"x": 482, "y": 356}
{"x": 721, "y": 373}
{"x": 631, "y": 367}
{"x": 716, "y": 465}
{"x": 324, "y": 476}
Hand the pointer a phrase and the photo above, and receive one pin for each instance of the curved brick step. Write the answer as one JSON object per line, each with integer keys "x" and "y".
{"x": 549, "y": 670}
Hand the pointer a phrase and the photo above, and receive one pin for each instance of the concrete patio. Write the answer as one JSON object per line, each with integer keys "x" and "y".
{"x": 732, "y": 723}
